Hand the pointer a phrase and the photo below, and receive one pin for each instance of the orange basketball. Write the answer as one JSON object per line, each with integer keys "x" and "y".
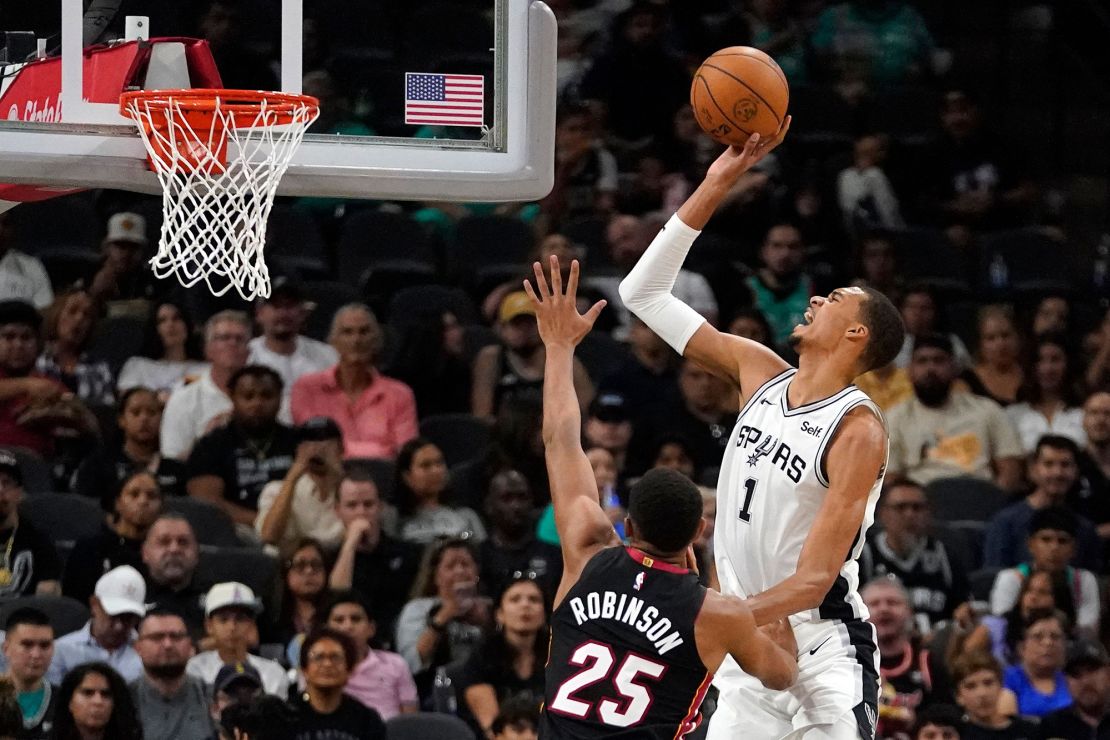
{"x": 737, "y": 92}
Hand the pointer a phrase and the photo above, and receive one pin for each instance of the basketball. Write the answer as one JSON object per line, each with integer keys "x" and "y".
{"x": 737, "y": 92}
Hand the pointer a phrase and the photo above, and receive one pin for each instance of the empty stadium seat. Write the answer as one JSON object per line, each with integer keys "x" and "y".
{"x": 65, "y": 614}
{"x": 461, "y": 437}
{"x": 211, "y": 524}
{"x": 425, "y": 725}
{"x": 965, "y": 499}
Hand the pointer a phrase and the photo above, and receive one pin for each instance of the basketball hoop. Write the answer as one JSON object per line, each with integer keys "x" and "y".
{"x": 219, "y": 155}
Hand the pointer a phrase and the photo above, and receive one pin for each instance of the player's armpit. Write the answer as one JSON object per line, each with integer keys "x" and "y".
{"x": 742, "y": 362}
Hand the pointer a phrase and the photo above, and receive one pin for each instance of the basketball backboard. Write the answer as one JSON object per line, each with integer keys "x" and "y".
{"x": 382, "y": 69}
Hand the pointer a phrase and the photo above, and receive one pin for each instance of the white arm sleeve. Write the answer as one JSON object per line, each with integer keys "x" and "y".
{"x": 646, "y": 291}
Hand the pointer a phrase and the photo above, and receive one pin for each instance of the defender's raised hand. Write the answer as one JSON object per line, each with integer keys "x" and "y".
{"x": 557, "y": 312}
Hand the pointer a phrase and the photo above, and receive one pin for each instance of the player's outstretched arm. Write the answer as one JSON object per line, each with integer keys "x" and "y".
{"x": 583, "y": 527}
{"x": 726, "y": 626}
{"x": 647, "y": 288}
{"x": 853, "y": 464}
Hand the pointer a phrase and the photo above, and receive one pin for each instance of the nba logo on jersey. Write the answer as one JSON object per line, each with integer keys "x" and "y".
{"x": 639, "y": 581}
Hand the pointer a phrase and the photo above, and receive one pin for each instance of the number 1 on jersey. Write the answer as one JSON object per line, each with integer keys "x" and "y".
{"x": 749, "y": 492}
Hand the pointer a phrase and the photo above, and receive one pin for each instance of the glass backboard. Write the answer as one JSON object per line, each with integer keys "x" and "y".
{"x": 419, "y": 99}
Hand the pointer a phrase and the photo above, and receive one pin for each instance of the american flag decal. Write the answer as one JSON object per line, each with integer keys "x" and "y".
{"x": 444, "y": 100}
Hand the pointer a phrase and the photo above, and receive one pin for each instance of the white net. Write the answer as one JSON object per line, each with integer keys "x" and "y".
{"x": 219, "y": 167}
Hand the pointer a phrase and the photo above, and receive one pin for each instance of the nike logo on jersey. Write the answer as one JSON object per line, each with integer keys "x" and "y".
{"x": 793, "y": 465}
{"x": 765, "y": 402}
{"x": 814, "y": 650}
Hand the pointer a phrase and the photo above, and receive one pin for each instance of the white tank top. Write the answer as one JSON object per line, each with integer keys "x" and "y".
{"x": 772, "y": 485}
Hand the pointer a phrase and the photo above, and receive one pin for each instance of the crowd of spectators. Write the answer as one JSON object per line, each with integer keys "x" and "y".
{"x": 383, "y": 457}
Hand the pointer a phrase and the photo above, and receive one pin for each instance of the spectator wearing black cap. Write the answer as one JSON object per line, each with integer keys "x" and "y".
{"x": 171, "y": 704}
{"x": 1088, "y": 718}
{"x": 1053, "y": 472}
{"x": 22, "y": 276}
{"x": 609, "y": 426}
{"x": 230, "y": 465}
{"x": 942, "y": 432}
{"x": 236, "y": 683}
{"x": 1051, "y": 545}
{"x": 29, "y": 563}
{"x": 324, "y": 711}
{"x": 32, "y": 404}
{"x": 302, "y": 504}
{"x": 281, "y": 346}
{"x": 512, "y": 548}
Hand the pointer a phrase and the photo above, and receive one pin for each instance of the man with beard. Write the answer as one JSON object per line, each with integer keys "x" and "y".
{"x": 780, "y": 288}
{"x": 512, "y": 547}
{"x": 171, "y": 704}
{"x": 512, "y": 371}
{"x": 1088, "y": 718}
{"x": 1053, "y": 472}
{"x": 376, "y": 414}
{"x": 229, "y": 466}
{"x": 944, "y": 433}
{"x": 282, "y": 347}
{"x": 171, "y": 554}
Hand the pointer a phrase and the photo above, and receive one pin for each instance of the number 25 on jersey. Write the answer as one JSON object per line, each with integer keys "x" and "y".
{"x": 597, "y": 660}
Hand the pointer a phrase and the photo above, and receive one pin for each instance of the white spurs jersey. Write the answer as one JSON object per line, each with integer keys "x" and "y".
{"x": 772, "y": 485}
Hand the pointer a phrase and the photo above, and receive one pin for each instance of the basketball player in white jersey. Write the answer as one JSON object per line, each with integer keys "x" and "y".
{"x": 798, "y": 483}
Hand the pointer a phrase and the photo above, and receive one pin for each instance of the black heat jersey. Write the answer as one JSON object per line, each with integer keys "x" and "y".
{"x": 623, "y": 660}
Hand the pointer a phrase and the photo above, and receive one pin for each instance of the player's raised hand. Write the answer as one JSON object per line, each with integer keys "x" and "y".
{"x": 557, "y": 312}
{"x": 735, "y": 161}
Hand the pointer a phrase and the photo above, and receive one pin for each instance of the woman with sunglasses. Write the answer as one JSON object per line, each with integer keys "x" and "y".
{"x": 304, "y": 590}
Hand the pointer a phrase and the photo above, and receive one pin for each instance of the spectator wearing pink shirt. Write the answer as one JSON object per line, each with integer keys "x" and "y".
{"x": 381, "y": 680}
{"x": 377, "y": 414}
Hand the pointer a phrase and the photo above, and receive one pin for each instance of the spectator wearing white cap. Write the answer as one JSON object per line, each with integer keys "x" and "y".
{"x": 282, "y": 347}
{"x": 123, "y": 276}
{"x": 117, "y": 605}
{"x": 22, "y": 276}
{"x": 231, "y": 618}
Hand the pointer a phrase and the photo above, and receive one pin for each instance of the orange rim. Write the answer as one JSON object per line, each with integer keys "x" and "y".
{"x": 239, "y": 103}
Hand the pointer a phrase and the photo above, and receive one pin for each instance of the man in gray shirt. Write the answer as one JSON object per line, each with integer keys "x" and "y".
{"x": 171, "y": 704}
